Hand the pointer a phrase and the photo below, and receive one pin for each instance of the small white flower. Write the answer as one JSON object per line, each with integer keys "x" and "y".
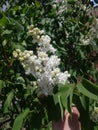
{"x": 55, "y": 72}
{"x": 52, "y": 49}
{"x": 53, "y": 62}
{"x": 62, "y": 78}
{"x": 45, "y": 39}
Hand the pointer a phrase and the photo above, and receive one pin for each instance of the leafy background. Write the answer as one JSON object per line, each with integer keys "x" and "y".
{"x": 20, "y": 108}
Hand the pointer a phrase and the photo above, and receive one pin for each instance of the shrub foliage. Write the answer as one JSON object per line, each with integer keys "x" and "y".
{"x": 73, "y": 30}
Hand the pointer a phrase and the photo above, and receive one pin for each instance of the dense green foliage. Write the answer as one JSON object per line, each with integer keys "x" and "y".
{"x": 19, "y": 105}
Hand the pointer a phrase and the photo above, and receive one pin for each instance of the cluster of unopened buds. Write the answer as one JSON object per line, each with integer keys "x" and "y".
{"x": 94, "y": 113}
{"x": 44, "y": 65}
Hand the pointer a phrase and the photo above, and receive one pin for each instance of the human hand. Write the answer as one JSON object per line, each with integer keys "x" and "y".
{"x": 70, "y": 122}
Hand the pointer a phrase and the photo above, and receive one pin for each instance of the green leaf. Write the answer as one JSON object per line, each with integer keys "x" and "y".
{"x": 7, "y": 103}
{"x": 86, "y": 92}
{"x": 71, "y": 96}
{"x": 20, "y": 79}
{"x": 61, "y": 107}
{"x": 64, "y": 98}
{"x": 55, "y": 98}
{"x": 83, "y": 101}
{"x": 19, "y": 47}
{"x": 4, "y": 21}
{"x": 18, "y": 123}
{"x": 90, "y": 86}
{"x": 37, "y": 3}
{"x": 1, "y": 85}
{"x": 7, "y": 32}
{"x": 66, "y": 94}
{"x": 71, "y": 1}
{"x": 96, "y": 127}
{"x": 18, "y": 26}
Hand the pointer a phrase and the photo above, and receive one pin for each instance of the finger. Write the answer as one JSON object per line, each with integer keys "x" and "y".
{"x": 75, "y": 111}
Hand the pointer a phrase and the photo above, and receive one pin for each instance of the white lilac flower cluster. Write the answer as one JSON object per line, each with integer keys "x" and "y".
{"x": 89, "y": 38}
{"x": 43, "y": 65}
{"x": 85, "y": 40}
{"x": 91, "y": 35}
{"x": 60, "y": 6}
{"x": 94, "y": 113}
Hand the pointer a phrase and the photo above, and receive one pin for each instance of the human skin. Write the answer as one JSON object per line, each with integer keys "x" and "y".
{"x": 70, "y": 122}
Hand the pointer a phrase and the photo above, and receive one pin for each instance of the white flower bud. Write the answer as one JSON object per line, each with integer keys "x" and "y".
{"x": 15, "y": 54}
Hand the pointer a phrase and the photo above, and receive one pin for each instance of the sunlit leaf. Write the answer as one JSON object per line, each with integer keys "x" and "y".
{"x": 7, "y": 103}
{"x": 4, "y": 21}
{"x": 61, "y": 107}
{"x": 66, "y": 93}
{"x": 38, "y": 4}
{"x": 18, "y": 123}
